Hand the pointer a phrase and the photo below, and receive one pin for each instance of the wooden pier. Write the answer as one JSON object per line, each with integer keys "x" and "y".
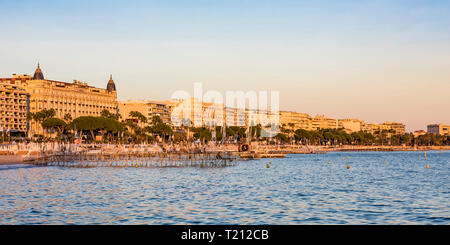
{"x": 139, "y": 160}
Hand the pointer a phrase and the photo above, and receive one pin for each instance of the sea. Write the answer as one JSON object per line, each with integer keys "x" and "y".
{"x": 333, "y": 188}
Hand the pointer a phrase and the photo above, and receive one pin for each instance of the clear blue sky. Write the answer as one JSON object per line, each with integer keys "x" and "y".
{"x": 372, "y": 60}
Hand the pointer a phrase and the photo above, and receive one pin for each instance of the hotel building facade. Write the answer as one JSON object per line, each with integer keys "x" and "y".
{"x": 322, "y": 122}
{"x": 146, "y": 107}
{"x": 295, "y": 120}
{"x": 440, "y": 129}
{"x": 394, "y": 127}
{"x": 398, "y": 128}
{"x": 197, "y": 113}
{"x": 14, "y": 104}
{"x": 75, "y": 99}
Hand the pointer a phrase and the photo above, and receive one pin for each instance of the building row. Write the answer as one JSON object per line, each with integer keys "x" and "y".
{"x": 295, "y": 120}
{"x": 21, "y": 95}
{"x": 441, "y": 129}
{"x": 193, "y": 112}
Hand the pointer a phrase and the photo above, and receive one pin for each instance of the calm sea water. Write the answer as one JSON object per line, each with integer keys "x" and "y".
{"x": 299, "y": 189}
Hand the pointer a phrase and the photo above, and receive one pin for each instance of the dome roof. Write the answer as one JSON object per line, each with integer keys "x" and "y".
{"x": 38, "y": 74}
{"x": 111, "y": 86}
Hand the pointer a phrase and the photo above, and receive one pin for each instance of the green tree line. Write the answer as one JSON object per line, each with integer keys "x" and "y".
{"x": 140, "y": 129}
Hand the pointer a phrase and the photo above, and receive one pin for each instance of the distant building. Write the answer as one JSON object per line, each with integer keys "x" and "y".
{"x": 238, "y": 117}
{"x": 441, "y": 129}
{"x": 264, "y": 118}
{"x": 374, "y": 128}
{"x": 350, "y": 125}
{"x": 398, "y": 128}
{"x": 201, "y": 114}
{"x": 391, "y": 128}
{"x": 370, "y": 128}
{"x": 146, "y": 107}
{"x": 188, "y": 112}
{"x": 322, "y": 122}
{"x": 418, "y": 133}
{"x": 295, "y": 120}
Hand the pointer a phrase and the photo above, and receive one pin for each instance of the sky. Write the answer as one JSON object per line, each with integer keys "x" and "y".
{"x": 372, "y": 60}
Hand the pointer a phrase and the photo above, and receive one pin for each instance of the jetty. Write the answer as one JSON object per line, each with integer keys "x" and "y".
{"x": 140, "y": 160}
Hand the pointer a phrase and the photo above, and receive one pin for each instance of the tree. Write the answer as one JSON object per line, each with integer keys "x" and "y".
{"x": 236, "y": 131}
{"x": 362, "y": 138}
{"x": 30, "y": 116}
{"x": 92, "y": 124}
{"x": 54, "y": 124}
{"x": 87, "y": 123}
{"x": 431, "y": 139}
{"x": 41, "y": 116}
{"x": 108, "y": 114}
{"x": 186, "y": 123}
{"x": 316, "y": 137}
{"x": 68, "y": 117}
{"x": 282, "y": 138}
{"x": 159, "y": 128}
{"x": 139, "y": 116}
{"x": 202, "y": 133}
{"x": 302, "y": 135}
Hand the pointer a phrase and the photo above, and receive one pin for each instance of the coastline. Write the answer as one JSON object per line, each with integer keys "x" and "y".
{"x": 30, "y": 157}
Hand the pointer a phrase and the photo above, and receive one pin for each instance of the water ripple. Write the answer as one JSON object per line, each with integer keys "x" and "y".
{"x": 300, "y": 189}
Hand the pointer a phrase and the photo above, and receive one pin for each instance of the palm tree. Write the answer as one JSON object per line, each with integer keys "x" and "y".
{"x": 68, "y": 117}
{"x": 160, "y": 128}
{"x": 40, "y": 116}
{"x": 139, "y": 116}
